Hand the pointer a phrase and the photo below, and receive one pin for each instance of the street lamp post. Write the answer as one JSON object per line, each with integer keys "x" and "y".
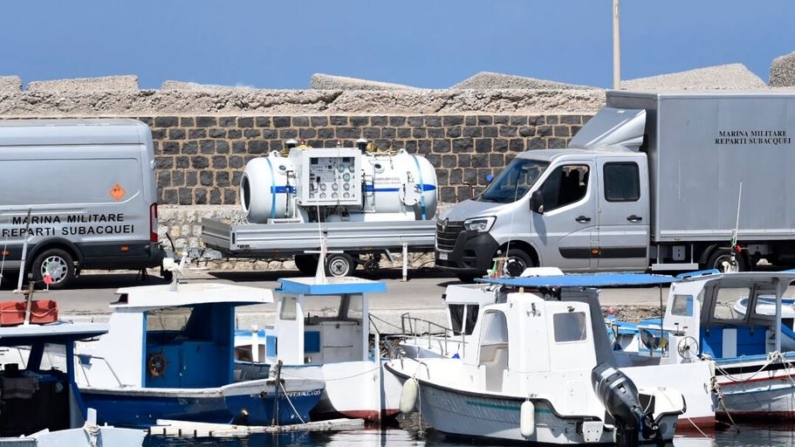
{"x": 616, "y": 49}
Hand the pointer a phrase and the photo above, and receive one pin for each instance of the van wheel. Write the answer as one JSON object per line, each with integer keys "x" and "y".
{"x": 306, "y": 264}
{"x": 517, "y": 261}
{"x": 339, "y": 264}
{"x": 58, "y": 264}
{"x": 723, "y": 255}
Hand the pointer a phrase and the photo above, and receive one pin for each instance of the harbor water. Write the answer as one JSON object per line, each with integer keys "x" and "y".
{"x": 409, "y": 433}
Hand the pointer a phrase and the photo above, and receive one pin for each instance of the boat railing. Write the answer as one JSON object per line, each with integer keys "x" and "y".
{"x": 80, "y": 359}
{"x": 430, "y": 333}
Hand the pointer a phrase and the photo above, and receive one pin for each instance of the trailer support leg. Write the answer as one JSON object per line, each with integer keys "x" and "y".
{"x": 405, "y": 261}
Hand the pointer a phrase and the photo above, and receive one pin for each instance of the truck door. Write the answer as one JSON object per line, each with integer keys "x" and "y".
{"x": 623, "y": 213}
{"x": 566, "y": 228}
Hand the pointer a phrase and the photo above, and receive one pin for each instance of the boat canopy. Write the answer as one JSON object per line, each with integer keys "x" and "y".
{"x": 589, "y": 280}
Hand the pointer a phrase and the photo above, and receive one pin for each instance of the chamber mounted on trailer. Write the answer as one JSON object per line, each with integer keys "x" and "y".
{"x": 338, "y": 184}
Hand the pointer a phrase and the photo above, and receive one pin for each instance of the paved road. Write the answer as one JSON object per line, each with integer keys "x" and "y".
{"x": 92, "y": 293}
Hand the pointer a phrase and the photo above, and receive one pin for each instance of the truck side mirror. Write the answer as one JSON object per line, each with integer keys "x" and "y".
{"x": 537, "y": 202}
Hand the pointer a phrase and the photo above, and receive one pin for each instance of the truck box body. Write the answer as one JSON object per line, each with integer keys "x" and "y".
{"x": 701, "y": 146}
{"x": 88, "y": 187}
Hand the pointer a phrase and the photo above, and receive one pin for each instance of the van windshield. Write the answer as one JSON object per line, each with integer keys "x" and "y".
{"x": 514, "y": 182}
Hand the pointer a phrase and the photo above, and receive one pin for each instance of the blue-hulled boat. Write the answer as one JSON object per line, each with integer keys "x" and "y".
{"x": 169, "y": 355}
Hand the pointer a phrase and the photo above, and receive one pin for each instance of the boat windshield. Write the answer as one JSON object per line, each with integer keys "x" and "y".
{"x": 514, "y": 182}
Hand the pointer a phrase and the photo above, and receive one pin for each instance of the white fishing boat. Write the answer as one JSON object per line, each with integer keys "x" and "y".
{"x": 336, "y": 346}
{"x": 541, "y": 370}
{"x": 753, "y": 350}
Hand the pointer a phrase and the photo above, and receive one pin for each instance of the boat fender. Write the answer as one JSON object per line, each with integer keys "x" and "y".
{"x": 527, "y": 419}
{"x": 408, "y": 395}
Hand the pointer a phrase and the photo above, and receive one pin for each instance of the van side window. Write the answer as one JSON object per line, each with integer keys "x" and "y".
{"x": 622, "y": 182}
{"x": 565, "y": 185}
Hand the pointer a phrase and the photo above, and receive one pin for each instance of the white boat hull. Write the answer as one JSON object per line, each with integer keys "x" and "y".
{"x": 756, "y": 395}
{"x": 353, "y": 389}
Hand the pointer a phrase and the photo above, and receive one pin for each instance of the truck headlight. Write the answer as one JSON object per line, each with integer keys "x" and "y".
{"x": 479, "y": 224}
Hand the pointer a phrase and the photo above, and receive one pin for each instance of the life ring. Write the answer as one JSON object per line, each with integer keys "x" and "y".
{"x": 156, "y": 364}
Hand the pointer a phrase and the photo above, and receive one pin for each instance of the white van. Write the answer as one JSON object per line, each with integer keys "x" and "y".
{"x": 88, "y": 187}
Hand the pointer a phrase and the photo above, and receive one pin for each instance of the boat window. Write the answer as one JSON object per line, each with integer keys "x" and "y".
{"x": 682, "y": 306}
{"x": 457, "y": 318}
{"x": 495, "y": 329}
{"x": 354, "y": 308}
{"x": 725, "y": 299}
{"x": 288, "y": 310}
{"x": 171, "y": 319}
{"x": 569, "y": 326}
{"x": 514, "y": 181}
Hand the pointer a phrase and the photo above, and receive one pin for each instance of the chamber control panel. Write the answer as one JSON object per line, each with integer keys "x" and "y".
{"x": 328, "y": 176}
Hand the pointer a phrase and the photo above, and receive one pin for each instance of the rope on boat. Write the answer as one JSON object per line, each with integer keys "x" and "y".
{"x": 722, "y": 403}
{"x": 287, "y": 396}
{"x": 92, "y": 431}
{"x": 770, "y": 359}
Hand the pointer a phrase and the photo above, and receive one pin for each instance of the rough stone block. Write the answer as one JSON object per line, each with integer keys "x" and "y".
{"x": 128, "y": 83}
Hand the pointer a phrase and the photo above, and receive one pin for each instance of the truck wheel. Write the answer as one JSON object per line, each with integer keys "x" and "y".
{"x": 517, "y": 261}
{"x": 721, "y": 255}
{"x": 339, "y": 264}
{"x": 306, "y": 264}
{"x": 58, "y": 264}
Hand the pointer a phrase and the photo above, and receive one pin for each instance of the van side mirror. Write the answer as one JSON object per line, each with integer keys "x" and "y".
{"x": 537, "y": 202}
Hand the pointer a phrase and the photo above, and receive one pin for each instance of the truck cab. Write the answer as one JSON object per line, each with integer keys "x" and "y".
{"x": 580, "y": 209}
{"x": 575, "y": 209}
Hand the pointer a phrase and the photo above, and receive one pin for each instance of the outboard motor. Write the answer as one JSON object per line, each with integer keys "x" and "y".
{"x": 620, "y": 397}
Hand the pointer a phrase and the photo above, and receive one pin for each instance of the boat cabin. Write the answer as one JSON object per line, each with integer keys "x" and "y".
{"x": 702, "y": 308}
{"x": 170, "y": 336}
{"x": 35, "y": 395}
{"x": 338, "y": 333}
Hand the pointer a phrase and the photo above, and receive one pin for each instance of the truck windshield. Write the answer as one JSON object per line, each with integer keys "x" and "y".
{"x": 514, "y": 182}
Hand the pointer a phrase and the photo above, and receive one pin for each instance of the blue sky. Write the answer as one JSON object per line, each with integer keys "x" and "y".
{"x": 424, "y": 43}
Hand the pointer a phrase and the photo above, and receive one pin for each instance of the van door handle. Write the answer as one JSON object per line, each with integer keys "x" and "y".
{"x": 583, "y": 219}
{"x": 634, "y": 218}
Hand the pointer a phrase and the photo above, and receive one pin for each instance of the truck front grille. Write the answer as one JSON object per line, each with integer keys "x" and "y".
{"x": 447, "y": 233}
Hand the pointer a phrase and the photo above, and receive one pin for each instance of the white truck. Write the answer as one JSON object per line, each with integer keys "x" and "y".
{"x": 654, "y": 181}
{"x": 77, "y": 194}
{"x": 363, "y": 203}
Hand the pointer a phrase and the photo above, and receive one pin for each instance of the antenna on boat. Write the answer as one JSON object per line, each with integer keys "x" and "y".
{"x": 24, "y": 253}
{"x": 733, "y": 266}
{"x": 29, "y": 292}
{"x": 3, "y": 262}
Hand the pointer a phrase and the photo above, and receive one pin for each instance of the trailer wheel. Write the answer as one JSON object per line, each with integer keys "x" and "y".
{"x": 306, "y": 264}
{"x": 721, "y": 255}
{"x": 339, "y": 264}
{"x": 517, "y": 261}
{"x": 58, "y": 264}
{"x": 371, "y": 266}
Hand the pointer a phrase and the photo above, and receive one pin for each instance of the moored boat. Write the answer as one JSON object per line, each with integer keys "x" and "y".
{"x": 169, "y": 355}
{"x": 540, "y": 370}
{"x": 337, "y": 347}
